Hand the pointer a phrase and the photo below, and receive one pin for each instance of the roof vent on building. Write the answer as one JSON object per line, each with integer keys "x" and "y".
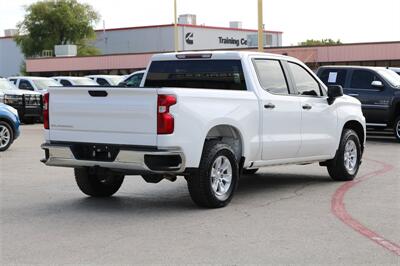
{"x": 235, "y": 24}
{"x": 10, "y": 32}
{"x": 65, "y": 50}
{"x": 188, "y": 19}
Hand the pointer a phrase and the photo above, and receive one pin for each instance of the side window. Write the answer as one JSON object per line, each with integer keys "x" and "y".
{"x": 305, "y": 83}
{"x": 334, "y": 76}
{"x": 65, "y": 82}
{"x": 25, "y": 85}
{"x": 271, "y": 76}
{"x": 362, "y": 79}
{"x": 102, "y": 82}
{"x": 134, "y": 81}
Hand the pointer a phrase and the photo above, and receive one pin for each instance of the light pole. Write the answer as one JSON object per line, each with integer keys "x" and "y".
{"x": 260, "y": 26}
{"x": 175, "y": 28}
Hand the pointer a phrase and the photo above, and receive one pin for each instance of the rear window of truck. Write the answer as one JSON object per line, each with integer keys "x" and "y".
{"x": 203, "y": 74}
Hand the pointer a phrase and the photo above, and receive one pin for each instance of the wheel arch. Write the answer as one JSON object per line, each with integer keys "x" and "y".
{"x": 395, "y": 112}
{"x": 358, "y": 128}
{"x": 230, "y": 135}
{"x": 10, "y": 123}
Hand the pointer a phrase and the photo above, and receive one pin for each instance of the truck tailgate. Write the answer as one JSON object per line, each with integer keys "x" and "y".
{"x": 106, "y": 115}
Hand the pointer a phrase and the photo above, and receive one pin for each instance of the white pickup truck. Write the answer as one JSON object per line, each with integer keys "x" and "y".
{"x": 207, "y": 116}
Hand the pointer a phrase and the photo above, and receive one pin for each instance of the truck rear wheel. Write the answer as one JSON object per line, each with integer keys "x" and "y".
{"x": 215, "y": 181}
{"x": 397, "y": 128}
{"x": 97, "y": 184}
{"x": 345, "y": 165}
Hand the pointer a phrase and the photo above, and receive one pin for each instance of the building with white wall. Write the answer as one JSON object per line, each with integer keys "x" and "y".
{"x": 160, "y": 38}
{"x": 154, "y": 39}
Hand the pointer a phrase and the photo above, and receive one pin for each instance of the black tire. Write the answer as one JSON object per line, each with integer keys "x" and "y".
{"x": 5, "y": 130}
{"x": 396, "y": 128}
{"x": 200, "y": 182}
{"x": 249, "y": 171}
{"x": 98, "y": 184}
{"x": 336, "y": 167}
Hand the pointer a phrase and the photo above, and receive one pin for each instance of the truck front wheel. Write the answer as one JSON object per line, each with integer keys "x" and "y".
{"x": 215, "y": 181}
{"x": 345, "y": 165}
{"x": 98, "y": 184}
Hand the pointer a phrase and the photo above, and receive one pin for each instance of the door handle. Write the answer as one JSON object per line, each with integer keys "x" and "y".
{"x": 98, "y": 93}
{"x": 269, "y": 106}
{"x": 307, "y": 107}
{"x": 353, "y": 94}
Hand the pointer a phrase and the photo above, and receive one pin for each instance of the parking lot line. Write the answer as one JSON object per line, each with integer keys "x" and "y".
{"x": 338, "y": 208}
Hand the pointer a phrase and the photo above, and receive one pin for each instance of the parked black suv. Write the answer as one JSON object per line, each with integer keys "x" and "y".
{"x": 377, "y": 88}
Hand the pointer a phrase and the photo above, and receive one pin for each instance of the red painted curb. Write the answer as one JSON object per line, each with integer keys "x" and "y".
{"x": 338, "y": 208}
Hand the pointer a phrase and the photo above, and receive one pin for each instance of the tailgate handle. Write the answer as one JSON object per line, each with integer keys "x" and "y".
{"x": 98, "y": 93}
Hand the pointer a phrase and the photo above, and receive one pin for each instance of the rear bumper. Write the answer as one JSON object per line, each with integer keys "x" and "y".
{"x": 127, "y": 159}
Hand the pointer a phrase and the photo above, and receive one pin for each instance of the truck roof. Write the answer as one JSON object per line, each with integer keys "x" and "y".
{"x": 216, "y": 55}
{"x": 353, "y": 67}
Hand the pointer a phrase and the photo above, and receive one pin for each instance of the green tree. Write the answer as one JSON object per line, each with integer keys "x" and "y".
{"x": 54, "y": 22}
{"x": 312, "y": 42}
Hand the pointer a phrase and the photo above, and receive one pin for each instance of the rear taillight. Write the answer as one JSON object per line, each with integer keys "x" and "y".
{"x": 165, "y": 121}
{"x": 46, "y": 102}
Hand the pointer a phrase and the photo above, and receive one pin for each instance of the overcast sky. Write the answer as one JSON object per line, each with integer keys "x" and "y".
{"x": 347, "y": 20}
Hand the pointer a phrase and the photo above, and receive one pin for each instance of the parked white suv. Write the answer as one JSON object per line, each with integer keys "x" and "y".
{"x": 133, "y": 80}
{"x": 106, "y": 80}
{"x": 207, "y": 116}
{"x": 74, "y": 81}
{"x": 38, "y": 84}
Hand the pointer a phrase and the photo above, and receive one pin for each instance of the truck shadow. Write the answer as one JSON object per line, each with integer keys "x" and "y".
{"x": 266, "y": 182}
{"x": 175, "y": 199}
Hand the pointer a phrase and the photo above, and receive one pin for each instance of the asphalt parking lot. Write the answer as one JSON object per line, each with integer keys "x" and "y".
{"x": 282, "y": 215}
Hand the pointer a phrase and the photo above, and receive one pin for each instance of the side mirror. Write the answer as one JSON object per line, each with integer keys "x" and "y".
{"x": 334, "y": 91}
{"x": 377, "y": 84}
